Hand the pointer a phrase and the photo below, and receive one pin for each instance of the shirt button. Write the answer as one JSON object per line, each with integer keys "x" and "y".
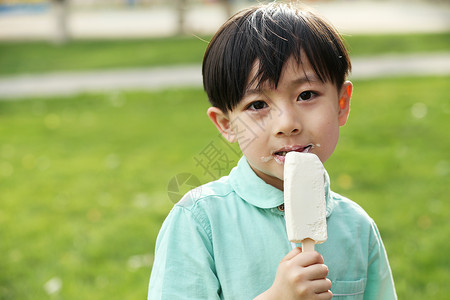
{"x": 281, "y": 207}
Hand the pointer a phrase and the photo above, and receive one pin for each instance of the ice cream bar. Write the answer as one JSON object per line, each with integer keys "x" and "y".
{"x": 304, "y": 199}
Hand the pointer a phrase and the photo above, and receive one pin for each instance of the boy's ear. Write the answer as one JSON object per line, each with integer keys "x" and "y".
{"x": 344, "y": 102}
{"x": 222, "y": 121}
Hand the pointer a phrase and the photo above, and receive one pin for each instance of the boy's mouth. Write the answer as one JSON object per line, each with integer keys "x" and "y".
{"x": 280, "y": 155}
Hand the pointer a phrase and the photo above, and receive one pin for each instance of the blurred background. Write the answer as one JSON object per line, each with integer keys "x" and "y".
{"x": 62, "y": 19}
{"x": 103, "y": 128}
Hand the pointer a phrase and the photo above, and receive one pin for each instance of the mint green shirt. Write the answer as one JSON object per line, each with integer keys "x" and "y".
{"x": 225, "y": 240}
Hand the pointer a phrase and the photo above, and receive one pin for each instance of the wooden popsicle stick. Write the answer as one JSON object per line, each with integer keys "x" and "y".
{"x": 308, "y": 245}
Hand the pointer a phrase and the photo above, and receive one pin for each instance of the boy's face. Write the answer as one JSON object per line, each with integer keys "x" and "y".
{"x": 302, "y": 114}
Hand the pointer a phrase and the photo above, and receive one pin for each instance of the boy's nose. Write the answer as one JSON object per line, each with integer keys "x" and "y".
{"x": 288, "y": 123}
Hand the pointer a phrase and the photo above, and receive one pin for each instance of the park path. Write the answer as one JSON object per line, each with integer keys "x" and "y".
{"x": 66, "y": 83}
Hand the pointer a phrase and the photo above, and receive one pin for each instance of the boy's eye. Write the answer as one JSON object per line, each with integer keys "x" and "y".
{"x": 305, "y": 96}
{"x": 257, "y": 105}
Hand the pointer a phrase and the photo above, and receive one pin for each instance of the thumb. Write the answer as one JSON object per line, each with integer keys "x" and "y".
{"x": 294, "y": 252}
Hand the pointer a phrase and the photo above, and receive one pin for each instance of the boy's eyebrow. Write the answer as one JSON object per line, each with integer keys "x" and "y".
{"x": 306, "y": 78}
{"x": 301, "y": 80}
{"x": 256, "y": 91}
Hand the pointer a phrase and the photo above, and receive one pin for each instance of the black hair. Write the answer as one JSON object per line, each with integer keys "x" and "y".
{"x": 269, "y": 34}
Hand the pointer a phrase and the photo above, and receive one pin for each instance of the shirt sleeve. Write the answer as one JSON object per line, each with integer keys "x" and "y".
{"x": 184, "y": 264}
{"x": 380, "y": 283}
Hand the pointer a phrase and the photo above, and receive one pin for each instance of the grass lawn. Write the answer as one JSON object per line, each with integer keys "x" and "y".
{"x": 35, "y": 57}
{"x": 84, "y": 184}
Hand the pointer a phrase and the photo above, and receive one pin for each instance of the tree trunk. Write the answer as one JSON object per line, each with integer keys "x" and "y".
{"x": 181, "y": 13}
{"x": 61, "y": 10}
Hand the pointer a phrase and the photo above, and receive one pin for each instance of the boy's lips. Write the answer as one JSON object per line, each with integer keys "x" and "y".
{"x": 280, "y": 154}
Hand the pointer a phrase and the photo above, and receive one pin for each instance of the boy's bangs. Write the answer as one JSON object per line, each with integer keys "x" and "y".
{"x": 269, "y": 35}
{"x": 275, "y": 36}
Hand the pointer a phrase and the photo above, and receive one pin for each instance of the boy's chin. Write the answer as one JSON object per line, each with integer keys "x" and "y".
{"x": 269, "y": 174}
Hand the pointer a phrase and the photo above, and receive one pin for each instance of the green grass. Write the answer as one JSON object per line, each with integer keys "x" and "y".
{"x": 366, "y": 45}
{"x": 40, "y": 56}
{"x": 83, "y": 183}
{"x": 35, "y": 57}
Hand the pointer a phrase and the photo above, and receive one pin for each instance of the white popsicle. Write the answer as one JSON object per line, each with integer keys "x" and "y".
{"x": 304, "y": 199}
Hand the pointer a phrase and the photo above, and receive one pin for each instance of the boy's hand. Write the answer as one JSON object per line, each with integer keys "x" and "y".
{"x": 300, "y": 276}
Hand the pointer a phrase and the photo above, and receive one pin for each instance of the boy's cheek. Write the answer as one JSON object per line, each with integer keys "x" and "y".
{"x": 230, "y": 134}
{"x": 231, "y": 137}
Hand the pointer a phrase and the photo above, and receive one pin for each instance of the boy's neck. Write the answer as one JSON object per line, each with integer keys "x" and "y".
{"x": 271, "y": 180}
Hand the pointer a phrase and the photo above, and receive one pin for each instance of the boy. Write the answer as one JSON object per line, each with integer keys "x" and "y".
{"x": 275, "y": 76}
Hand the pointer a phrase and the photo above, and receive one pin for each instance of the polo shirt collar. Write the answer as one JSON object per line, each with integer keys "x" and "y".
{"x": 257, "y": 192}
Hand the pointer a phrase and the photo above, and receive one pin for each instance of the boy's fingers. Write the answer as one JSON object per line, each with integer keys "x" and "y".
{"x": 321, "y": 287}
{"x": 294, "y": 252}
{"x": 316, "y": 272}
{"x": 324, "y": 296}
{"x": 308, "y": 259}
